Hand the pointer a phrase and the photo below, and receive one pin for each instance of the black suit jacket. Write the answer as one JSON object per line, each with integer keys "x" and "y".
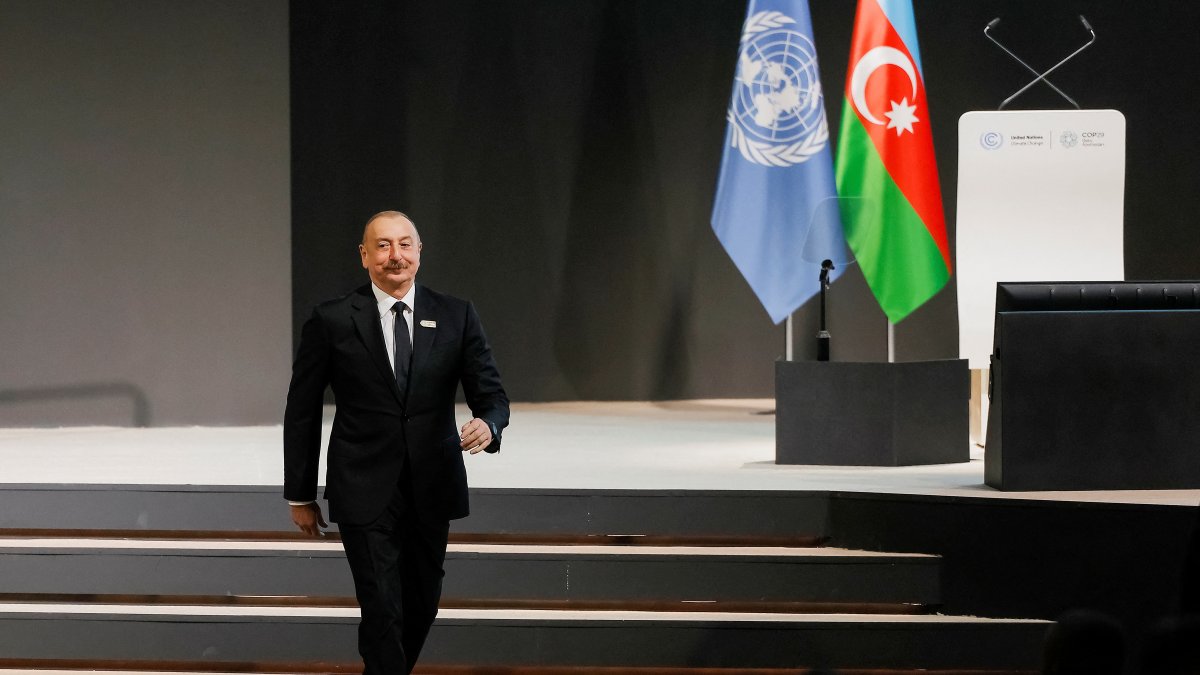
{"x": 377, "y": 428}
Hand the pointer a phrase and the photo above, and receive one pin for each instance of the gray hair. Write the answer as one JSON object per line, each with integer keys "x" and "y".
{"x": 390, "y": 214}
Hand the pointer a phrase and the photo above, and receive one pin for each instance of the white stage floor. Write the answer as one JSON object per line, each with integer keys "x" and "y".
{"x": 685, "y": 445}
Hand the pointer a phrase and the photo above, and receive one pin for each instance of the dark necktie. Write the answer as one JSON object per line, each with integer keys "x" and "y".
{"x": 403, "y": 353}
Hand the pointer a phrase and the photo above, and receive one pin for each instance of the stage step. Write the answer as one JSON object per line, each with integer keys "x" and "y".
{"x": 746, "y": 606}
{"x": 562, "y": 539}
{"x": 69, "y": 667}
{"x": 538, "y": 512}
{"x": 538, "y": 582}
{"x": 510, "y": 638}
{"x": 746, "y": 578}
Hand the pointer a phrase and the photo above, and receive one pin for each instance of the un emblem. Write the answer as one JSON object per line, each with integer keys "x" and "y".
{"x": 777, "y": 115}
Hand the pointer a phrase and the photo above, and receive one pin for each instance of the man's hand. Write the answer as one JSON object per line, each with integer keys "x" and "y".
{"x": 309, "y": 519}
{"x": 476, "y": 435}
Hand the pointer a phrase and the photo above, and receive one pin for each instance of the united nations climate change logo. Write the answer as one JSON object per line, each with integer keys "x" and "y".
{"x": 991, "y": 140}
{"x": 778, "y": 113}
{"x": 1068, "y": 139}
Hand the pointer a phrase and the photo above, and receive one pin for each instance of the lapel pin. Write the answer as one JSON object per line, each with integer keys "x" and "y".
{"x": 426, "y": 323}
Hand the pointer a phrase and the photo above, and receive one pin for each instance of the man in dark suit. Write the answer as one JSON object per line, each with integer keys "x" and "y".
{"x": 393, "y": 353}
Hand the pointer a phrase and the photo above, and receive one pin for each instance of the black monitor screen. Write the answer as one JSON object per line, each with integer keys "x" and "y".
{"x": 1078, "y": 296}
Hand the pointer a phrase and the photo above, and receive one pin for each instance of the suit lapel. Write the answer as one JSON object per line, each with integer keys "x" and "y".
{"x": 366, "y": 324}
{"x": 423, "y": 334}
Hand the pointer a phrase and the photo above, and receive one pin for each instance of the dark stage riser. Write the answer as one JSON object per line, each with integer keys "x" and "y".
{"x": 1095, "y": 400}
{"x": 724, "y": 574}
{"x": 746, "y": 513}
{"x": 748, "y": 644}
{"x": 1037, "y": 558}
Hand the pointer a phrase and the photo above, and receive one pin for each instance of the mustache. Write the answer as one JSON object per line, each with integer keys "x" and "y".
{"x": 397, "y": 266}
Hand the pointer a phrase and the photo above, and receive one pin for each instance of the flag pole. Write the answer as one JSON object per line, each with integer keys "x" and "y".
{"x": 891, "y": 342}
{"x": 787, "y": 339}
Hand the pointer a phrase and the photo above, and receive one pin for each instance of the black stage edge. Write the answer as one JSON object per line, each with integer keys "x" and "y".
{"x": 1099, "y": 400}
{"x": 872, "y": 414}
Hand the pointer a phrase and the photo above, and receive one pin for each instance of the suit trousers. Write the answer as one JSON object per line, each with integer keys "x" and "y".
{"x": 397, "y": 564}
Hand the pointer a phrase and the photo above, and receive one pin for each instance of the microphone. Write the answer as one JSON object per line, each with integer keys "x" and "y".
{"x": 823, "y": 333}
{"x": 987, "y": 31}
{"x": 1042, "y": 77}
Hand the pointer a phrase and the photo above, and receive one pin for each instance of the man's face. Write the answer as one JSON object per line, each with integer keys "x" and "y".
{"x": 391, "y": 253}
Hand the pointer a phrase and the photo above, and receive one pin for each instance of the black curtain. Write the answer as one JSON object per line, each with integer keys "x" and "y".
{"x": 560, "y": 160}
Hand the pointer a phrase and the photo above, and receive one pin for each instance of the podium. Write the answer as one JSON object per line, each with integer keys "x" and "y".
{"x": 1096, "y": 398}
{"x": 871, "y": 414}
{"x": 1040, "y": 198}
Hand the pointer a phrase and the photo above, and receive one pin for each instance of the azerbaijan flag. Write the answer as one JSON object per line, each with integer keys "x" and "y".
{"x": 886, "y": 174}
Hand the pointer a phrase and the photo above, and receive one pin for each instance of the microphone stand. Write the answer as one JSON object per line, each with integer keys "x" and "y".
{"x": 823, "y": 334}
{"x": 1042, "y": 76}
{"x": 987, "y": 32}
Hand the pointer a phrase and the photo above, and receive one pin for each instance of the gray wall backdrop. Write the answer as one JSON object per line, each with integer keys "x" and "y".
{"x": 144, "y": 212}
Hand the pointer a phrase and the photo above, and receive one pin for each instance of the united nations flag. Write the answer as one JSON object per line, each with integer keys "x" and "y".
{"x": 776, "y": 209}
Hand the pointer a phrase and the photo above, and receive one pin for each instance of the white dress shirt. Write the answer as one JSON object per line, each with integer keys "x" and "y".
{"x": 387, "y": 321}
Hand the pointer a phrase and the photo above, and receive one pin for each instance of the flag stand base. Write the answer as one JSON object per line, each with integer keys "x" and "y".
{"x": 872, "y": 414}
